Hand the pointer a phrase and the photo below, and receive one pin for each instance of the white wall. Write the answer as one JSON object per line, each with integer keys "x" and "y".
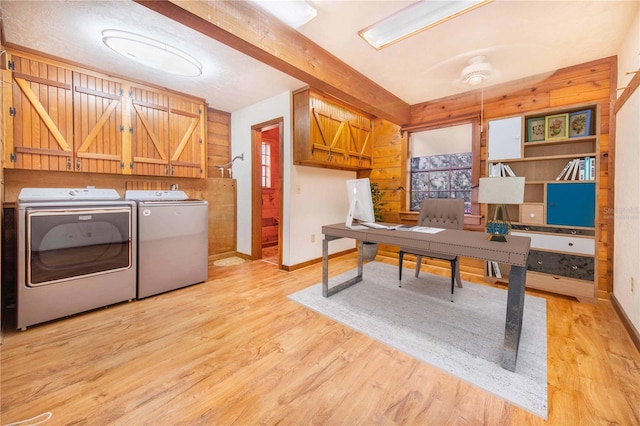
{"x": 626, "y": 215}
{"x": 311, "y": 196}
{"x": 318, "y": 197}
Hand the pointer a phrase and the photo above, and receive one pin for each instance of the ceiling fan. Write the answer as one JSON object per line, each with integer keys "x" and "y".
{"x": 488, "y": 66}
{"x": 478, "y": 71}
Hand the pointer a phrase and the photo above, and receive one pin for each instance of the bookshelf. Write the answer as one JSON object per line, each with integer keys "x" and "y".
{"x": 557, "y": 151}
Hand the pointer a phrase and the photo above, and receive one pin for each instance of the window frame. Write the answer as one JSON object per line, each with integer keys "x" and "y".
{"x": 476, "y": 161}
{"x": 265, "y": 165}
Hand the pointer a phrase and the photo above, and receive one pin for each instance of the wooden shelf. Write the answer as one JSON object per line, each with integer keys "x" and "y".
{"x": 561, "y": 263}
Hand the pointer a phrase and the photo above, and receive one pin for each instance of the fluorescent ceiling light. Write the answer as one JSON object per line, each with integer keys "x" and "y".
{"x": 152, "y": 53}
{"x": 294, "y": 13}
{"x": 415, "y": 18}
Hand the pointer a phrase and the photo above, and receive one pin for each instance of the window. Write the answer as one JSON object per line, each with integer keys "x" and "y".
{"x": 266, "y": 164}
{"x": 441, "y": 165}
{"x": 441, "y": 176}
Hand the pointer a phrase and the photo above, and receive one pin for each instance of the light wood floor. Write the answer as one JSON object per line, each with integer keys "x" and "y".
{"x": 235, "y": 350}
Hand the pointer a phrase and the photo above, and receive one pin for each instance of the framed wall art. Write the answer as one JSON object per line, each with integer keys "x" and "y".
{"x": 556, "y": 126}
{"x": 579, "y": 123}
{"x": 535, "y": 129}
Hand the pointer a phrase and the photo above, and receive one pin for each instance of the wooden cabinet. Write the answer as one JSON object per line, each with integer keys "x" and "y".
{"x": 97, "y": 124}
{"x": 329, "y": 134}
{"x": 559, "y": 211}
{"x": 41, "y": 116}
{"x": 68, "y": 119}
{"x": 167, "y": 134}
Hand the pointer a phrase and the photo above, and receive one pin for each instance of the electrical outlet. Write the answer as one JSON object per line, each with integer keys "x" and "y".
{"x": 313, "y": 238}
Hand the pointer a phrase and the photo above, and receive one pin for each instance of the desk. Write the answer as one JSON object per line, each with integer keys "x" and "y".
{"x": 453, "y": 242}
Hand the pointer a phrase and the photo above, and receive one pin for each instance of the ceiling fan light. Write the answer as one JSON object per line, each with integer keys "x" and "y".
{"x": 476, "y": 72}
{"x": 475, "y": 78}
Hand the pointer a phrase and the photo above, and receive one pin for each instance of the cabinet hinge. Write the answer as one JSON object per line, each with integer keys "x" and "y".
{"x": 11, "y": 65}
{"x": 131, "y": 129}
{"x": 12, "y": 111}
{"x": 12, "y": 157}
{"x": 122, "y": 165}
{"x": 131, "y": 165}
{"x": 122, "y": 128}
{"x": 121, "y": 92}
{"x": 131, "y": 93}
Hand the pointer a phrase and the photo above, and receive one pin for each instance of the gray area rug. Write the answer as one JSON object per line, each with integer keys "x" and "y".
{"x": 463, "y": 338}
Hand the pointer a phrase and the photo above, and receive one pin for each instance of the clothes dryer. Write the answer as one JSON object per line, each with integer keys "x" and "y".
{"x": 173, "y": 232}
{"x": 76, "y": 252}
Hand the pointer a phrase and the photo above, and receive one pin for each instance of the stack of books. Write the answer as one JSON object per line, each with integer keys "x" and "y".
{"x": 500, "y": 169}
{"x": 493, "y": 269}
{"x": 579, "y": 169}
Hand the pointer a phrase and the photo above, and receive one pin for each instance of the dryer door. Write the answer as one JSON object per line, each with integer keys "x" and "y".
{"x": 68, "y": 243}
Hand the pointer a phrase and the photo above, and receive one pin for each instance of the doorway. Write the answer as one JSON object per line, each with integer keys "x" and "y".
{"x": 266, "y": 215}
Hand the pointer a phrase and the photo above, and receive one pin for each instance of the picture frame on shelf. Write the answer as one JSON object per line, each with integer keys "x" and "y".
{"x": 579, "y": 123}
{"x": 535, "y": 129}
{"x": 556, "y": 126}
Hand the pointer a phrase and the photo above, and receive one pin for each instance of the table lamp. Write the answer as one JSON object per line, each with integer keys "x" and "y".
{"x": 500, "y": 191}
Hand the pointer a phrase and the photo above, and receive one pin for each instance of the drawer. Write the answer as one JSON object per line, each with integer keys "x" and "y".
{"x": 565, "y": 265}
{"x": 554, "y": 230}
{"x": 563, "y": 243}
{"x": 532, "y": 213}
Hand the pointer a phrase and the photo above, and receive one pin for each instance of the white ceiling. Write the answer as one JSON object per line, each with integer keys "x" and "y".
{"x": 519, "y": 38}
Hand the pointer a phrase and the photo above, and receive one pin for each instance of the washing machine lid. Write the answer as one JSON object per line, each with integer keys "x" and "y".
{"x": 67, "y": 194}
{"x": 152, "y": 195}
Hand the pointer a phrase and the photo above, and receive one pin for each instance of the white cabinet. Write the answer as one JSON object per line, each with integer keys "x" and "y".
{"x": 505, "y": 137}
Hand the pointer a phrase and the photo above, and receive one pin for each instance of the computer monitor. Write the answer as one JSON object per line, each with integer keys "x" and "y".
{"x": 360, "y": 203}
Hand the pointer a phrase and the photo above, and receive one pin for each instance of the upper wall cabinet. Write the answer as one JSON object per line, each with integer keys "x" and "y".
{"x": 167, "y": 134}
{"x": 41, "y": 116}
{"x": 97, "y": 124}
{"x": 328, "y": 134}
{"x": 68, "y": 119}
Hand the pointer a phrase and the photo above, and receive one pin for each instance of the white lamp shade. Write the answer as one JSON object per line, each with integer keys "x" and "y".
{"x": 501, "y": 190}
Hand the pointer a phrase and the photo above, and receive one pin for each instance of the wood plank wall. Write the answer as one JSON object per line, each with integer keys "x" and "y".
{"x": 218, "y": 141}
{"x": 591, "y": 82}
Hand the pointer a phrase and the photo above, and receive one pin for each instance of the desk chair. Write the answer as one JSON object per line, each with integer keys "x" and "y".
{"x": 438, "y": 213}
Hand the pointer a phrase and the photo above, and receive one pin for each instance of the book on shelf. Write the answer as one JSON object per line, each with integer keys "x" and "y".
{"x": 500, "y": 170}
{"x": 567, "y": 176}
{"x": 496, "y": 269}
{"x": 579, "y": 169}
{"x": 576, "y": 167}
{"x": 509, "y": 170}
{"x": 565, "y": 170}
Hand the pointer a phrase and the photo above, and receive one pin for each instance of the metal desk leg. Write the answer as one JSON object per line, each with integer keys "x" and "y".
{"x": 326, "y": 291}
{"x": 515, "y": 310}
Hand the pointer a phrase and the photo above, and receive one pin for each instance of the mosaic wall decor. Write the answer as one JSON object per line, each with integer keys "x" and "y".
{"x": 441, "y": 176}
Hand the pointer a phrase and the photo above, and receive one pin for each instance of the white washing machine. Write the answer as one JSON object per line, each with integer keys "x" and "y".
{"x": 76, "y": 252}
{"x": 173, "y": 232}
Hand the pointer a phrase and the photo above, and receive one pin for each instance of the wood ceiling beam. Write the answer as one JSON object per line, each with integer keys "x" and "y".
{"x": 245, "y": 27}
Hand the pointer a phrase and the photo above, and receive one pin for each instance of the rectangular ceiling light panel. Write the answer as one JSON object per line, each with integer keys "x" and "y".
{"x": 415, "y": 18}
